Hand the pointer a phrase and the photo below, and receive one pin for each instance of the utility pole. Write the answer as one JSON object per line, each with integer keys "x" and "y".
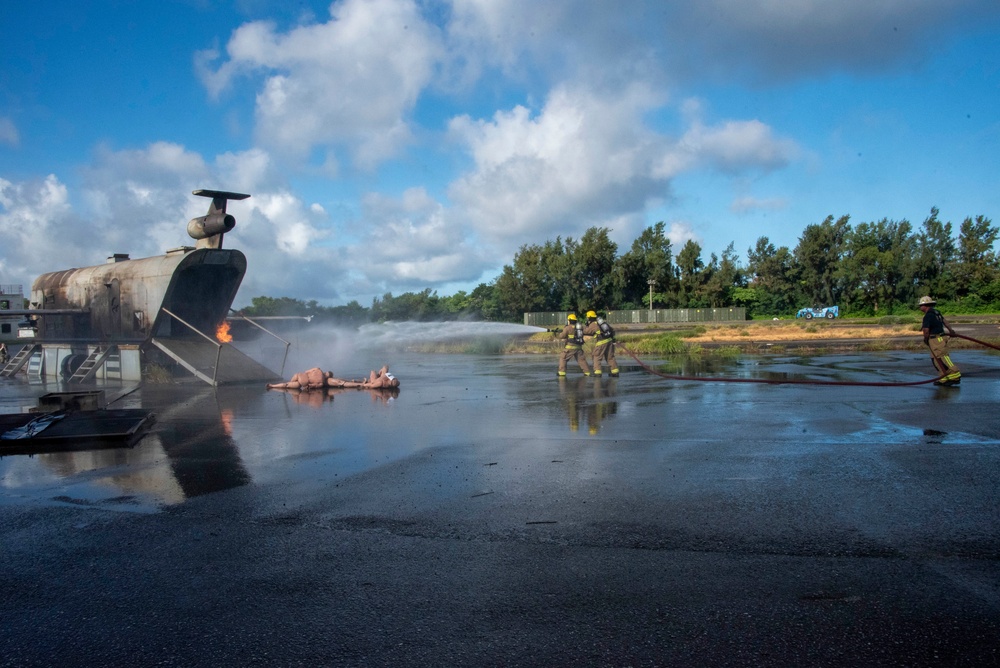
{"x": 651, "y": 284}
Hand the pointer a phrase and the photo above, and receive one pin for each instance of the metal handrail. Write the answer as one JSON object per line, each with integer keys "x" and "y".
{"x": 266, "y": 331}
{"x": 218, "y": 346}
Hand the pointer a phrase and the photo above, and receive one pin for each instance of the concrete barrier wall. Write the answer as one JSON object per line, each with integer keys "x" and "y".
{"x": 644, "y": 316}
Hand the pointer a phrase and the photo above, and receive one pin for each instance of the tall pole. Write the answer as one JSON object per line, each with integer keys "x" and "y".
{"x": 651, "y": 284}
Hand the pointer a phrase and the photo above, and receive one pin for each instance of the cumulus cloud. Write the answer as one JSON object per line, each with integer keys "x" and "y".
{"x": 586, "y": 159}
{"x": 680, "y": 232}
{"x": 36, "y": 222}
{"x": 349, "y": 82}
{"x": 730, "y": 147}
{"x": 582, "y": 159}
{"x": 411, "y": 241}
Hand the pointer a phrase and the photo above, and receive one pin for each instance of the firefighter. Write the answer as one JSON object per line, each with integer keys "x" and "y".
{"x": 933, "y": 327}
{"x": 604, "y": 343}
{"x": 572, "y": 333}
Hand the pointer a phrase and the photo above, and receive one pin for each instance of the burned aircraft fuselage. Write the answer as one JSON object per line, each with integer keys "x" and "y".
{"x": 129, "y": 301}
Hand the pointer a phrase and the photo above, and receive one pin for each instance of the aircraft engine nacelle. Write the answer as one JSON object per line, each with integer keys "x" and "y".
{"x": 210, "y": 225}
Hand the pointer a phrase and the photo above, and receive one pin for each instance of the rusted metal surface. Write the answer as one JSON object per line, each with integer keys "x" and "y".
{"x": 121, "y": 301}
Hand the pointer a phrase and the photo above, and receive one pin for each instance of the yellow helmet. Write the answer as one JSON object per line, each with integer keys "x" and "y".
{"x": 591, "y": 314}
{"x": 571, "y": 317}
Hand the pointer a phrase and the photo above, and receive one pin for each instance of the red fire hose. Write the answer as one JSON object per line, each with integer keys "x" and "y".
{"x": 783, "y": 381}
{"x": 982, "y": 343}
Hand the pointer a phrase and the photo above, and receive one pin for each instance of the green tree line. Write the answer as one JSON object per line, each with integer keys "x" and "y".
{"x": 872, "y": 268}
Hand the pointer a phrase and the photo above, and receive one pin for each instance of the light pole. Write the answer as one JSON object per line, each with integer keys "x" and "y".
{"x": 651, "y": 284}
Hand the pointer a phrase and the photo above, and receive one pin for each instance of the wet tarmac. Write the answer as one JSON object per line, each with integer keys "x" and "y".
{"x": 491, "y": 514}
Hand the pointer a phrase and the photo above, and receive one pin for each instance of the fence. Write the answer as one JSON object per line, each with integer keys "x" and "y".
{"x": 645, "y": 316}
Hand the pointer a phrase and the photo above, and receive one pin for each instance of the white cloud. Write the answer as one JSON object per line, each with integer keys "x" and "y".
{"x": 679, "y": 233}
{"x": 290, "y": 223}
{"x": 411, "y": 240}
{"x": 587, "y": 159}
{"x": 735, "y": 146}
{"x": 37, "y": 224}
{"x": 349, "y": 82}
{"x": 583, "y": 159}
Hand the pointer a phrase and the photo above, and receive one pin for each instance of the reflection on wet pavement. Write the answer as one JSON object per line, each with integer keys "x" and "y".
{"x": 210, "y": 440}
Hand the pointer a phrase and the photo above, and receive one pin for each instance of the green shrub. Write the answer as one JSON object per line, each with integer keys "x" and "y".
{"x": 662, "y": 344}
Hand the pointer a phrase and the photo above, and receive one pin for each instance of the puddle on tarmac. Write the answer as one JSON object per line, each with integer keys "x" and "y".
{"x": 206, "y": 440}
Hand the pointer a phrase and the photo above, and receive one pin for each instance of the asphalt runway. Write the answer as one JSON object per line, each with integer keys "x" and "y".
{"x": 490, "y": 514}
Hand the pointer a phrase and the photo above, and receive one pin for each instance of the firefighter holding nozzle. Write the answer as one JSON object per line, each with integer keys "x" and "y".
{"x": 572, "y": 333}
{"x": 604, "y": 343}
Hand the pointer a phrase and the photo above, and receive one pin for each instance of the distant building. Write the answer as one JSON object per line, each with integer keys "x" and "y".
{"x": 11, "y": 298}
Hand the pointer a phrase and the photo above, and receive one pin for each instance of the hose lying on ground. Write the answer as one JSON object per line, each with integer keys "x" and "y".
{"x": 775, "y": 381}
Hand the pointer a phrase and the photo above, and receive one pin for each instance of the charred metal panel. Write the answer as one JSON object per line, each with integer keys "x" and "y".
{"x": 123, "y": 299}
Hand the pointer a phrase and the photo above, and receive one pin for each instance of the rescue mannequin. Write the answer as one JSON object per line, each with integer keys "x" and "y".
{"x": 316, "y": 378}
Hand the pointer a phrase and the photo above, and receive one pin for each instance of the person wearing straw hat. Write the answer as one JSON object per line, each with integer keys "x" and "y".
{"x": 933, "y": 327}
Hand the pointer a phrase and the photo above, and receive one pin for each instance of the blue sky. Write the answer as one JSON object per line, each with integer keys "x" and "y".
{"x": 393, "y": 146}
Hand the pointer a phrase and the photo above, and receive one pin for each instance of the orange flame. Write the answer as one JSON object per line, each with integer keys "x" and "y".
{"x": 222, "y": 333}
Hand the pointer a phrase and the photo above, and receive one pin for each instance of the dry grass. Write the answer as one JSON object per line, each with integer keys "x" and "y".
{"x": 797, "y": 331}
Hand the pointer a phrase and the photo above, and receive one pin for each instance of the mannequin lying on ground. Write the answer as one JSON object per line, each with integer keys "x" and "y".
{"x": 316, "y": 378}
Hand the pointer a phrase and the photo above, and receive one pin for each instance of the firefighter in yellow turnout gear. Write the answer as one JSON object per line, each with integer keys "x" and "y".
{"x": 933, "y": 327}
{"x": 572, "y": 333}
{"x": 604, "y": 343}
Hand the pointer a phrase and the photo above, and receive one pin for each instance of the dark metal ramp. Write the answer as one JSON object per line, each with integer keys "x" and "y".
{"x": 215, "y": 363}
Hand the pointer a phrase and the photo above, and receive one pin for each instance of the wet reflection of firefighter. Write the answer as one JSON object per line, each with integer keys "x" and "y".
{"x": 602, "y": 406}
{"x": 589, "y": 400}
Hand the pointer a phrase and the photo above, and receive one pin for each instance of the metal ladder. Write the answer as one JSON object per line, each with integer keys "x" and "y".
{"x": 93, "y": 362}
{"x": 19, "y": 360}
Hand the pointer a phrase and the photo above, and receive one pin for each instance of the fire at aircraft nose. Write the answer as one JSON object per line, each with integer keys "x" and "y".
{"x": 222, "y": 333}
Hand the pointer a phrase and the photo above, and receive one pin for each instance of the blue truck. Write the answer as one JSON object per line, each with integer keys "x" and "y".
{"x": 830, "y": 312}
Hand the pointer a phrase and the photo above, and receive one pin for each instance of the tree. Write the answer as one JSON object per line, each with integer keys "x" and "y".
{"x": 935, "y": 257}
{"x": 690, "y": 268}
{"x": 723, "y": 276}
{"x": 650, "y": 258}
{"x": 483, "y": 302}
{"x": 534, "y": 282}
{"x": 773, "y": 274}
{"x": 591, "y": 263}
{"x": 818, "y": 254}
{"x": 878, "y": 265}
{"x": 977, "y": 266}
{"x": 351, "y": 314}
{"x": 280, "y": 306}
